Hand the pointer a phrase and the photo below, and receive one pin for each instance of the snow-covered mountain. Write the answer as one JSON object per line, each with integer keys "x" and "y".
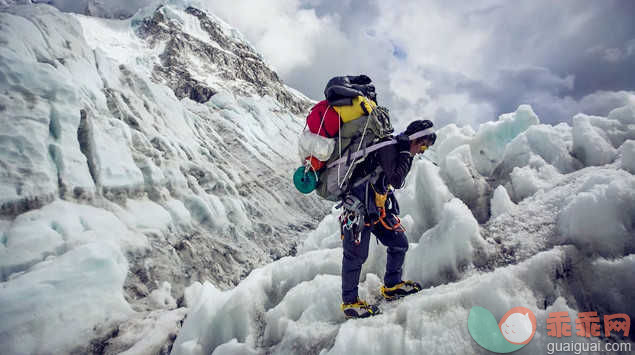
{"x": 137, "y": 156}
{"x": 145, "y": 177}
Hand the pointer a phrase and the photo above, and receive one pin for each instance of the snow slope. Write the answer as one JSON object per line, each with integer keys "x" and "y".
{"x": 138, "y": 156}
{"x": 145, "y": 177}
{"x": 568, "y": 244}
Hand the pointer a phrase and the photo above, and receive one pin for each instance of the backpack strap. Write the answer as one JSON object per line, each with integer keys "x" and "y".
{"x": 358, "y": 154}
{"x": 372, "y": 177}
{"x": 377, "y": 146}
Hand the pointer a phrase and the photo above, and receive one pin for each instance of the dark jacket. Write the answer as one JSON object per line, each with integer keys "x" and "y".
{"x": 395, "y": 167}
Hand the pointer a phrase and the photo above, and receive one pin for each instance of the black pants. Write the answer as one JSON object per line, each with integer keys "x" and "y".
{"x": 355, "y": 256}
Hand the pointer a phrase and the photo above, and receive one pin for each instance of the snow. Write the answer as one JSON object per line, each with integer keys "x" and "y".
{"x": 148, "y": 215}
{"x": 501, "y": 203}
{"x": 551, "y": 144}
{"x": 178, "y": 213}
{"x": 451, "y": 136}
{"x": 218, "y": 317}
{"x": 207, "y": 212}
{"x": 616, "y": 128}
{"x": 608, "y": 292}
{"x": 116, "y": 39}
{"x": 591, "y": 144}
{"x": 599, "y": 216}
{"x": 106, "y": 174}
{"x": 162, "y": 297}
{"x": 148, "y": 335}
{"x": 44, "y": 145}
{"x": 528, "y": 180}
{"x": 423, "y": 197}
{"x": 446, "y": 248}
{"x": 461, "y": 175}
{"x": 80, "y": 292}
{"x": 114, "y": 166}
{"x": 325, "y": 236}
{"x": 114, "y": 9}
{"x": 307, "y": 318}
{"x": 110, "y": 177}
{"x": 625, "y": 114}
{"x": 568, "y": 218}
{"x": 488, "y": 145}
{"x": 57, "y": 228}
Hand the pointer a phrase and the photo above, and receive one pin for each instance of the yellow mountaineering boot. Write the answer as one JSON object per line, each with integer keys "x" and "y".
{"x": 404, "y": 288}
{"x": 360, "y": 309}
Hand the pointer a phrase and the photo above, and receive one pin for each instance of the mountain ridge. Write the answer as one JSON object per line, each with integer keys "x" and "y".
{"x": 192, "y": 190}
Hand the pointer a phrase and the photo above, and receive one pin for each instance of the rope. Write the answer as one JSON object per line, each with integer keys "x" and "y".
{"x": 308, "y": 164}
{"x": 380, "y": 145}
{"x": 339, "y": 145}
{"x": 349, "y": 170}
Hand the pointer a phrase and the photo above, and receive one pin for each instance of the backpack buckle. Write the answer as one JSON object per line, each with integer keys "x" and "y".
{"x": 353, "y": 204}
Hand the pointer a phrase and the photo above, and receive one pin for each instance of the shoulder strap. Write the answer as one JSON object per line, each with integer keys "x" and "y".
{"x": 376, "y": 146}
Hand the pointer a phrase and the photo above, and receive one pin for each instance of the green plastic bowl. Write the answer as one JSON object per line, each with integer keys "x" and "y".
{"x": 304, "y": 182}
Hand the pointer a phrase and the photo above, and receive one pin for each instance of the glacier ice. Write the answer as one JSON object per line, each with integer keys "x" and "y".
{"x": 127, "y": 204}
{"x": 599, "y": 216}
{"x": 423, "y": 197}
{"x": 591, "y": 144}
{"x": 551, "y": 144}
{"x": 501, "y": 203}
{"x": 446, "y": 248}
{"x": 464, "y": 181}
{"x": 79, "y": 292}
{"x": 488, "y": 144}
{"x": 527, "y": 180}
{"x": 97, "y": 151}
{"x": 450, "y": 258}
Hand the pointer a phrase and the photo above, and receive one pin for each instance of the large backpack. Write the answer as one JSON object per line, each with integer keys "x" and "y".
{"x": 351, "y": 148}
{"x": 340, "y": 90}
{"x": 341, "y": 129}
{"x": 323, "y": 120}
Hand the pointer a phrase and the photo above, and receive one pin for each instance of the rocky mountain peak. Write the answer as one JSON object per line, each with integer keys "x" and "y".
{"x": 215, "y": 53}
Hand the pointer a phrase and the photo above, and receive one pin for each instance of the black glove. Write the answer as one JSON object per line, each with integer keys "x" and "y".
{"x": 403, "y": 143}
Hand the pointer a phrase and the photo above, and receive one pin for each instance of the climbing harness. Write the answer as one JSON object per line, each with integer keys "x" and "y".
{"x": 351, "y": 218}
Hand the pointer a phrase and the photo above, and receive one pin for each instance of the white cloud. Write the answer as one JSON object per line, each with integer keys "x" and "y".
{"x": 462, "y": 61}
{"x": 287, "y": 35}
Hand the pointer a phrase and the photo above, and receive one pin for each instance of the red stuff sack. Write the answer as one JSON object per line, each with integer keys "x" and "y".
{"x": 315, "y": 163}
{"x": 323, "y": 120}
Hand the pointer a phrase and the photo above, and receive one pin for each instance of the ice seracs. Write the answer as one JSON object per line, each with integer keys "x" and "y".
{"x": 570, "y": 224}
{"x": 146, "y": 176}
{"x": 108, "y": 169}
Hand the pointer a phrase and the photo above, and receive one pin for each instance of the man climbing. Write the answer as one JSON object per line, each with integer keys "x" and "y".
{"x": 371, "y": 207}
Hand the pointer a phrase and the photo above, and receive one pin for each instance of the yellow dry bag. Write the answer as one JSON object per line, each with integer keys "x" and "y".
{"x": 361, "y": 106}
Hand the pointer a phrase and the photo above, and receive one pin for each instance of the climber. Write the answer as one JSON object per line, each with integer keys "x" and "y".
{"x": 377, "y": 209}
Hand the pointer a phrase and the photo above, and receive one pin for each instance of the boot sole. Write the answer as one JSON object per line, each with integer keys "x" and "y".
{"x": 396, "y": 297}
{"x": 368, "y": 315}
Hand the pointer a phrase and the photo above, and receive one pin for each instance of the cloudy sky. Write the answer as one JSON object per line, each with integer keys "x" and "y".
{"x": 451, "y": 61}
